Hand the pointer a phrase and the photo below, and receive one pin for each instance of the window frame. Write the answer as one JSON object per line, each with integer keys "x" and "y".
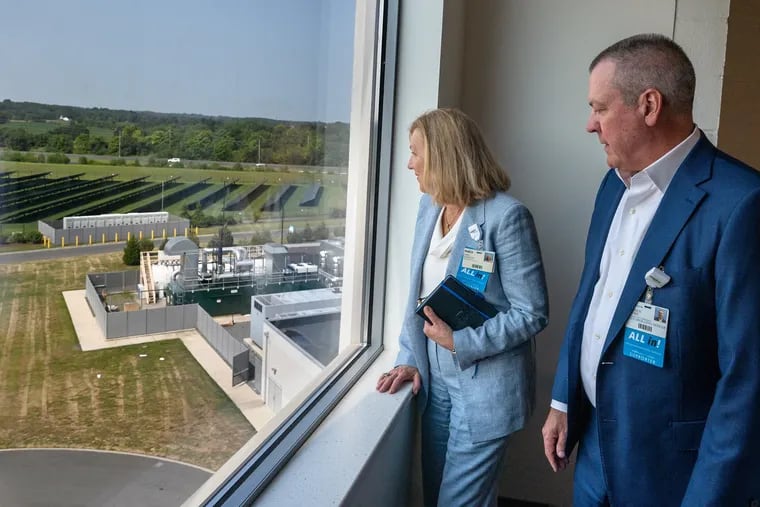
{"x": 374, "y": 128}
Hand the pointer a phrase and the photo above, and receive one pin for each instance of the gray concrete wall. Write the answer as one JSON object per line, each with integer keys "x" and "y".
{"x": 174, "y": 227}
{"x": 222, "y": 342}
{"x": 155, "y": 320}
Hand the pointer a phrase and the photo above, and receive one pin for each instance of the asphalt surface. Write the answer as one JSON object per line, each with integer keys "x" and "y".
{"x": 46, "y": 254}
{"x": 84, "y": 478}
{"x": 81, "y": 478}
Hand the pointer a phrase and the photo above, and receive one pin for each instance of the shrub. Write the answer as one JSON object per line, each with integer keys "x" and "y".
{"x": 146, "y": 245}
{"x": 57, "y": 158}
{"x": 33, "y": 237}
{"x": 83, "y": 160}
{"x": 12, "y": 156}
{"x": 131, "y": 255}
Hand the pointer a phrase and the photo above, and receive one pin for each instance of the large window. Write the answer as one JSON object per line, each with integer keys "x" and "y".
{"x": 215, "y": 177}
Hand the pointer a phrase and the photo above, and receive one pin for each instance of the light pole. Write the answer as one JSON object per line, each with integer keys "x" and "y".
{"x": 162, "y": 195}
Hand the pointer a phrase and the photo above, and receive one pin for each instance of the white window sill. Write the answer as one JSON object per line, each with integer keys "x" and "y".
{"x": 366, "y": 430}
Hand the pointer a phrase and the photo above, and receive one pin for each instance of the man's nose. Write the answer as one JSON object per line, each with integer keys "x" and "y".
{"x": 591, "y": 125}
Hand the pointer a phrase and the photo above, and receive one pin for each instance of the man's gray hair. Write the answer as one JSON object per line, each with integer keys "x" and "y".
{"x": 651, "y": 61}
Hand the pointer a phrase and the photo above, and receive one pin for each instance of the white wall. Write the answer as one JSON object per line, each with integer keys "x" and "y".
{"x": 525, "y": 82}
{"x": 418, "y": 70}
{"x": 286, "y": 365}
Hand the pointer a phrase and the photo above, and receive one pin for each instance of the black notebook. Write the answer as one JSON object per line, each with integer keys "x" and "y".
{"x": 457, "y": 305}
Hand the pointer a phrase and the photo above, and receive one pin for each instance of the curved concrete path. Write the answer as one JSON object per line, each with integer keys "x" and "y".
{"x": 88, "y": 478}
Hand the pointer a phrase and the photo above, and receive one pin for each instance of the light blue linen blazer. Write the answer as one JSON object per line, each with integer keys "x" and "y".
{"x": 497, "y": 360}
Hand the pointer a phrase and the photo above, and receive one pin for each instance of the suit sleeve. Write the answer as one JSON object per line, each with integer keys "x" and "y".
{"x": 518, "y": 260}
{"x": 726, "y": 471}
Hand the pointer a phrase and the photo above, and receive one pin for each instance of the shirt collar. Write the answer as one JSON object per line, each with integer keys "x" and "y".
{"x": 662, "y": 170}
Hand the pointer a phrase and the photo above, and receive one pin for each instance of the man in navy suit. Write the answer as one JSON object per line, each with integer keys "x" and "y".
{"x": 663, "y": 412}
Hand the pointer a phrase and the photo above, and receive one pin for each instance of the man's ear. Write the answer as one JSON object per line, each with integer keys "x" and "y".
{"x": 650, "y": 105}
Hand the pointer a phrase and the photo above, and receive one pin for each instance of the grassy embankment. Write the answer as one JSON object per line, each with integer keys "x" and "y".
{"x": 54, "y": 395}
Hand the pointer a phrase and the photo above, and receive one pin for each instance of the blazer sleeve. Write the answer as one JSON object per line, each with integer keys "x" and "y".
{"x": 406, "y": 354}
{"x": 726, "y": 470}
{"x": 518, "y": 259}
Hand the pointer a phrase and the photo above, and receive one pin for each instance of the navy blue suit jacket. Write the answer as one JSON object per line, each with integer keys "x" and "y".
{"x": 683, "y": 433}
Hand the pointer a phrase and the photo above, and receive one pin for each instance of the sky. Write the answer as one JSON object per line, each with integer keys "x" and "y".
{"x": 279, "y": 59}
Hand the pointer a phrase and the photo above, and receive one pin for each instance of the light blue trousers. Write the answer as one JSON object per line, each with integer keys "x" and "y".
{"x": 455, "y": 471}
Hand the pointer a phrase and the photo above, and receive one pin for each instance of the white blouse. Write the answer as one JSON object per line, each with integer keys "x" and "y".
{"x": 434, "y": 267}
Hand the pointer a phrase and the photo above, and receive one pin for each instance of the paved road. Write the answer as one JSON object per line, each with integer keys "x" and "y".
{"x": 76, "y": 478}
{"x": 46, "y": 254}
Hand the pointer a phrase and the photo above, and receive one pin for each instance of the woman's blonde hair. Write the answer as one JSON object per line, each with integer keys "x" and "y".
{"x": 459, "y": 168}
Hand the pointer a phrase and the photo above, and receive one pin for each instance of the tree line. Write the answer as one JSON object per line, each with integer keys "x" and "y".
{"x": 170, "y": 135}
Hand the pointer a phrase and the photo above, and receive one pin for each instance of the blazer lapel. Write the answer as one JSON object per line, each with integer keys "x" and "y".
{"x": 473, "y": 214}
{"x": 422, "y": 244}
{"x": 677, "y": 205}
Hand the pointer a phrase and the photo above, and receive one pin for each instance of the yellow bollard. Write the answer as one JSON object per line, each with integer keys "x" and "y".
{"x": 63, "y": 243}
{"x": 175, "y": 232}
{"x": 91, "y": 239}
{"x": 77, "y": 241}
{"x": 115, "y": 237}
{"x": 196, "y": 230}
{"x": 104, "y": 238}
{"x": 128, "y": 235}
{"x": 140, "y": 235}
{"x": 185, "y": 231}
{"x": 164, "y": 234}
{"x": 151, "y": 235}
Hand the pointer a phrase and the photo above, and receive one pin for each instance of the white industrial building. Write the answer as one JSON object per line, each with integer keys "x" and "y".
{"x": 297, "y": 333}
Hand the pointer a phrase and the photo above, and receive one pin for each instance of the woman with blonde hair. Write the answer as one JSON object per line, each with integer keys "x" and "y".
{"x": 475, "y": 386}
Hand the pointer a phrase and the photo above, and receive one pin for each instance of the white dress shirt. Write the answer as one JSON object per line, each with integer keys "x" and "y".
{"x": 632, "y": 218}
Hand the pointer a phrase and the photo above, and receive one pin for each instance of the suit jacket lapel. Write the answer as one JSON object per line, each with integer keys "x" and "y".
{"x": 677, "y": 205}
{"x": 604, "y": 212}
{"x": 473, "y": 214}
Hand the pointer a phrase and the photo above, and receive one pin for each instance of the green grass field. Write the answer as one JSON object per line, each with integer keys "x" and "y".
{"x": 54, "y": 395}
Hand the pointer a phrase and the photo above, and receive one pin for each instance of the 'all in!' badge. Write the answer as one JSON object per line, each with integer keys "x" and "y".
{"x": 646, "y": 333}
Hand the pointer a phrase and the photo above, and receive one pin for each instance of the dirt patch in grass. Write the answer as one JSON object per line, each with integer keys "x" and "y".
{"x": 53, "y": 395}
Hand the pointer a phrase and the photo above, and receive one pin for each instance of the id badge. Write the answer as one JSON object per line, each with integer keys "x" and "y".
{"x": 476, "y": 268}
{"x": 645, "y": 334}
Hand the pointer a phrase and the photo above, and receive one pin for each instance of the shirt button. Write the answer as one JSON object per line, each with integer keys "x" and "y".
{"x": 621, "y": 252}
{"x": 609, "y": 294}
{"x": 597, "y": 337}
{"x": 633, "y": 211}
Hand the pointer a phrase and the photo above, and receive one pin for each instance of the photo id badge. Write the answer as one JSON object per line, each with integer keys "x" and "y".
{"x": 476, "y": 268}
{"x": 645, "y": 334}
